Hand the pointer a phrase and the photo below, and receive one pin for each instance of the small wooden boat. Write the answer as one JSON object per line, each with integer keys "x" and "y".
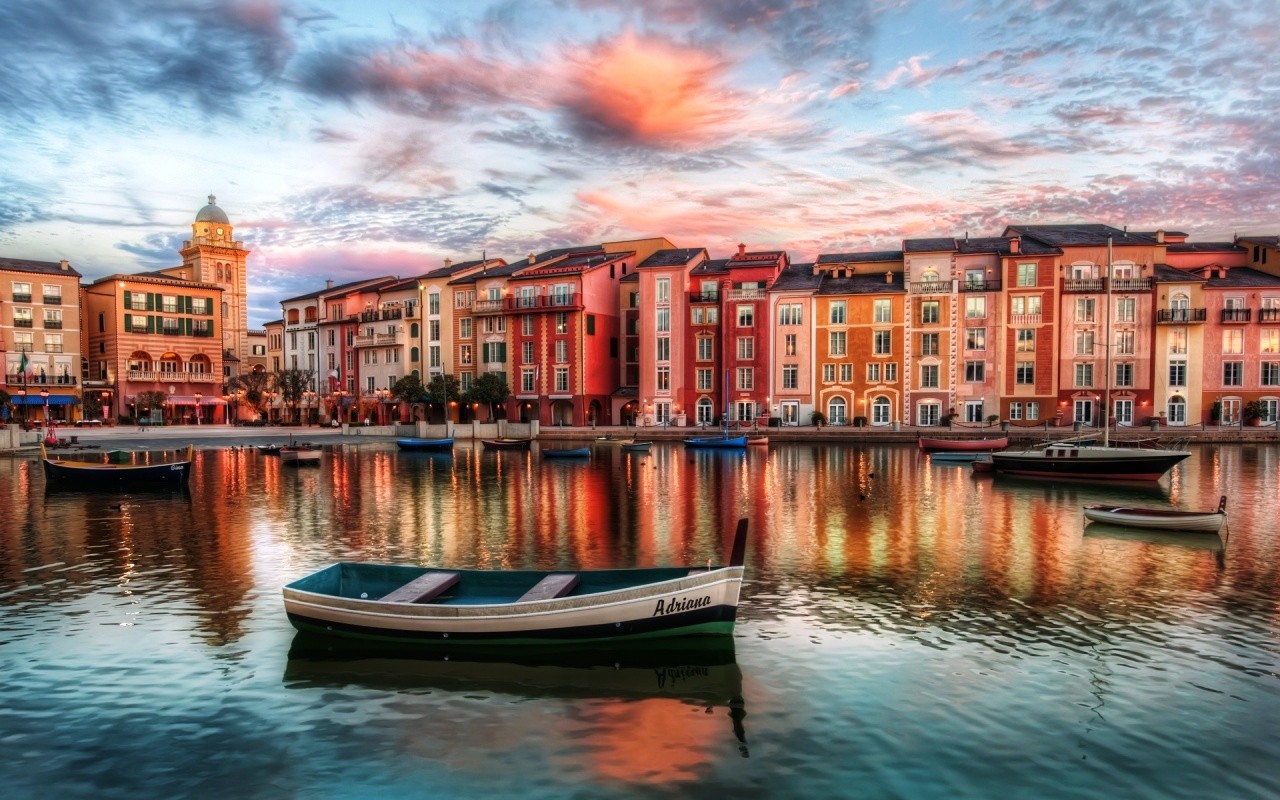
{"x": 636, "y": 447}
{"x": 963, "y": 445}
{"x": 761, "y": 439}
{"x": 571, "y": 452}
{"x": 506, "y": 444}
{"x": 269, "y": 449}
{"x": 984, "y": 465}
{"x": 519, "y": 607}
{"x": 955, "y": 456}
{"x": 88, "y": 474}
{"x": 717, "y": 442}
{"x": 425, "y": 444}
{"x": 300, "y": 455}
{"x": 1165, "y": 519}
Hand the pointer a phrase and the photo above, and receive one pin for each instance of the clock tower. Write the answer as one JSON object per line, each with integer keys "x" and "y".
{"x": 214, "y": 256}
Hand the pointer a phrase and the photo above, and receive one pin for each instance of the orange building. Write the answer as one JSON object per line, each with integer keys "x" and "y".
{"x": 154, "y": 332}
{"x": 40, "y": 336}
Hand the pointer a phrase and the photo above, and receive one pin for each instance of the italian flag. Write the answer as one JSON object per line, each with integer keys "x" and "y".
{"x": 22, "y": 365}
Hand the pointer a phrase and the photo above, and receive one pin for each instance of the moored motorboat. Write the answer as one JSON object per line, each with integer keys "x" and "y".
{"x": 405, "y": 603}
{"x": 425, "y": 444}
{"x": 506, "y": 444}
{"x": 1073, "y": 461}
{"x": 567, "y": 452}
{"x": 636, "y": 447}
{"x": 1166, "y": 519}
{"x": 717, "y": 442}
{"x": 269, "y": 449}
{"x": 963, "y": 445}
{"x": 300, "y": 455}
{"x": 91, "y": 474}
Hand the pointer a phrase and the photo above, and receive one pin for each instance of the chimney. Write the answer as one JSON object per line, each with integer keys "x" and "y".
{"x": 742, "y": 249}
{"x": 64, "y": 265}
{"x": 328, "y": 283}
{"x": 1160, "y": 236}
{"x": 1015, "y": 245}
{"x": 532, "y": 257}
{"x": 448, "y": 262}
{"x": 888, "y": 276}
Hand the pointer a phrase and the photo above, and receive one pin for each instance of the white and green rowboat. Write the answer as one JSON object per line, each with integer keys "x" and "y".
{"x": 389, "y": 602}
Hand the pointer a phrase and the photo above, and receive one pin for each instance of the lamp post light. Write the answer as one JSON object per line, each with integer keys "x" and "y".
{"x": 106, "y": 406}
{"x": 22, "y": 397}
{"x": 199, "y": 397}
{"x": 226, "y": 406}
{"x": 44, "y": 394}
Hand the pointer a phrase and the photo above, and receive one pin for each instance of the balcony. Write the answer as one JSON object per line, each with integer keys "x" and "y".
{"x": 23, "y": 323}
{"x": 22, "y": 298}
{"x": 1269, "y": 315}
{"x": 53, "y": 299}
{"x": 384, "y": 314}
{"x": 1025, "y": 320}
{"x": 525, "y": 304}
{"x": 704, "y": 297}
{"x": 1181, "y": 316}
{"x": 1131, "y": 285}
{"x": 53, "y": 324}
{"x": 140, "y": 375}
{"x": 980, "y": 286}
{"x": 363, "y": 341}
{"x": 745, "y": 294}
{"x": 1084, "y": 285}
{"x": 490, "y": 306}
{"x": 201, "y": 377}
{"x": 931, "y": 287}
{"x": 29, "y": 380}
{"x": 1236, "y": 315}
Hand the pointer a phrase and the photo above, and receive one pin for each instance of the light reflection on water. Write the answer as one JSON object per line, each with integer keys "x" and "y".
{"x": 907, "y": 629}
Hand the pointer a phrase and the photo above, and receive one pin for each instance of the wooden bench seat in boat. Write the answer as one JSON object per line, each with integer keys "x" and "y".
{"x": 426, "y": 586}
{"x": 550, "y": 587}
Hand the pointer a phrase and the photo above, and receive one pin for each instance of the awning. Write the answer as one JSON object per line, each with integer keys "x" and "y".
{"x": 190, "y": 400}
{"x": 37, "y": 400}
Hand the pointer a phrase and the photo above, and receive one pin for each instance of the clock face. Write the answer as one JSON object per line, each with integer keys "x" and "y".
{"x": 219, "y": 231}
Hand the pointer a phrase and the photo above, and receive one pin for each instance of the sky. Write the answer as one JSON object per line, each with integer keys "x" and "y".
{"x": 347, "y": 139}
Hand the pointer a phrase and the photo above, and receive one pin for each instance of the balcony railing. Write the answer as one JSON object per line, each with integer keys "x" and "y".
{"x": 1269, "y": 315}
{"x": 384, "y": 338}
{"x": 201, "y": 377}
{"x": 1024, "y": 320}
{"x": 745, "y": 294}
{"x": 931, "y": 287}
{"x": 23, "y": 323}
{"x": 378, "y": 316}
{"x": 53, "y": 324}
{"x": 18, "y": 379}
{"x": 1131, "y": 285}
{"x": 1085, "y": 285}
{"x": 53, "y": 299}
{"x": 1236, "y": 315}
{"x": 1183, "y": 316}
{"x": 140, "y": 375}
{"x": 490, "y": 306}
{"x": 363, "y": 341}
{"x": 22, "y": 298}
{"x": 980, "y": 286}
{"x": 704, "y": 297}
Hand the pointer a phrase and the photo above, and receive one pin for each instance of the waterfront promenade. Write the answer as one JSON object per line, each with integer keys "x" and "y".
{"x": 229, "y": 436}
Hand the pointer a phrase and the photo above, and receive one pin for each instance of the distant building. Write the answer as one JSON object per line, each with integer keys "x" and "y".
{"x": 40, "y": 336}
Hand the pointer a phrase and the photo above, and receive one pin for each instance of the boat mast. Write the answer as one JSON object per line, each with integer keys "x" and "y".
{"x": 1106, "y": 396}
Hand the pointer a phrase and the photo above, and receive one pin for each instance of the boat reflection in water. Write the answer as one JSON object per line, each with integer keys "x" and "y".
{"x": 700, "y": 672}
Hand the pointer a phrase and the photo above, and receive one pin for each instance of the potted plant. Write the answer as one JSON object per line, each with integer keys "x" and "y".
{"x": 1254, "y": 411}
{"x": 818, "y": 418}
{"x": 992, "y": 419}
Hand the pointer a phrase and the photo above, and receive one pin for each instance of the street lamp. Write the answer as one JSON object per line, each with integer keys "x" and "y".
{"x": 44, "y": 394}
{"x": 106, "y": 406}
{"x": 199, "y": 397}
{"x": 22, "y": 396}
{"x": 226, "y": 406}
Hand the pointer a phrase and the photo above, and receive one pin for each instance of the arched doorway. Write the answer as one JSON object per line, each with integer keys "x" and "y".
{"x": 595, "y": 414}
{"x": 562, "y": 412}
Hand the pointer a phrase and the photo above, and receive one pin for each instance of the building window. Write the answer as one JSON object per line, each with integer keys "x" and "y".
{"x": 1084, "y": 343}
{"x": 929, "y": 344}
{"x": 464, "y": 328}
{"x": 1026, "y": 274}
{"x": 828, "y": 373}
{"x": 891, "y": 372}
{"x": 562, "y": 350}
{"x": 746, "y": 348}
{"x": 928, "y": 376}
{"x": 1025, "y": 305}
{"x": 1233, "y": 342}
{"x": 1271, "y": 373}
{"x": 1026, "y": 340}
{"x": 704, "y": 378}
{"x": 882, "y": 343}
{"x": 464, "y": 355}
{"x": 975, "y": 371}
{"x": 1125, "y": 343}
{"x": 883, "y": 311}
{"x": 1015, "y": 411}
{"x": 1084, "y": 376}
{"x": 790, "y": 376}
{"x": 562, "y": 379}
{"x": 846, "y": 373}
{"x": 1024, "y": 373}
{"x": 663, "y": 350}
{"x": 1126, "y": 308}
{"x": 1124, "y": 374}
{"x": 975, "y": 339}
{"x": 1233, "y": 373}
{"x": 706, "y": 348}
{"x": 662, "y": 288}
{"x": 1178, "y": 373}
{"x": 873, "y": 373}
{"x": 790, "y": 314}
{"x": 837, "y": 343}
{"x": 836, "y": 411}
{"x": 746, "y": 379}
{"x": 663, "y": 320}
{"x": 526, "y": 324}
{"x": 838, "y": 313}
{"x": 1033, "y": 410}
{"x": 930, "y": 312}
{"x": 1084, "y": 309}
{"x": 664, "y": 378}
{"x": 1269, "y": 340}
{"x": 789, "y": 344}
{"x": 746, "y": 316}
{"x": 975, "y": 307}
{"x": 527, "y": 381}
{"x": 880, "y": 411}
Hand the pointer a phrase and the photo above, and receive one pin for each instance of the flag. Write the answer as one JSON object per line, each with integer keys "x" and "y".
{"x": 22, "y": 365}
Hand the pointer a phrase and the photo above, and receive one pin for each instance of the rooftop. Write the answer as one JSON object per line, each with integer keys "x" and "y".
{"x": 43, "y": 267}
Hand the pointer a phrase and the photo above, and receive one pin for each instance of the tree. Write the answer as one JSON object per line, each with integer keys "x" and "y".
{"x": 255, "y": 386}
{"x": 409, "y": 389}
{"x": 145, "y": 401}
{"x": 442, "y": 390}
{"x": 292, "y": 383}
{"x": 491, "y": 389}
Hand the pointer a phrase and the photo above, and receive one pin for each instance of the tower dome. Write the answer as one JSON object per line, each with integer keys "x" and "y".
{"x": 211, "y": 213}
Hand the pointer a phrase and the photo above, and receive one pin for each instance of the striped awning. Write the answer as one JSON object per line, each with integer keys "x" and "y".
{"x": 37, "y": 400}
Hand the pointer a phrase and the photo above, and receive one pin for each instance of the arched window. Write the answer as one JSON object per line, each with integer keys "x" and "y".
{"x": 413, "y": 334}
{"x": 1177, "y": 411}
{"x": 705, "y": 411}
{"x": 228, "y": 274}
{"x": 413, "y": 356}
{"x": 836, "y": 411}
{"x": 219, "y": 272}
{"x": 881, "y": 411}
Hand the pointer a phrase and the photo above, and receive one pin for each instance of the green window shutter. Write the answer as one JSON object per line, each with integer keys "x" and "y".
{"x": 502, "y": 352}
{"x": 151, "y": 302}
{"x": 591, "y": 324}
{"x": 128, "y": 298}
{"x": 484, "y": 353}
{"x": 188, "y": 300}
{"x": 128, "y": 318}
{"x": 151, "y": 321}
{"x": 188, "y": 325}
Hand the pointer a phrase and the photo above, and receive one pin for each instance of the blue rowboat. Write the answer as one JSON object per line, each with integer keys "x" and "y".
{"x": 572, "y": 452}
{"x": 390, "y": 602}
{"x": 721, "y": 442}
{"x": 425, "y": 444}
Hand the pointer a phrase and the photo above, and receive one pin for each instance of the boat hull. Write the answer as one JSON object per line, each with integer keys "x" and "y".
{"x": 1082, "y": 463}
{"x": 964, "y": 445}
{"x": 298, "y": 457}
{"x": 717, "y": 442}
{"x": 113, "y": 475}
{"x": 637, "y": 447}
{"x": 575, "y": 452}
{"x": 506, "y": 444}
{"x": 435, "y": 445}
{"x": 686, "y": 602}
{"x": 1157, "y": 519}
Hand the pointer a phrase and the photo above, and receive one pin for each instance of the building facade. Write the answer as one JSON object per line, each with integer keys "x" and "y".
{"x": 40, "y": 331}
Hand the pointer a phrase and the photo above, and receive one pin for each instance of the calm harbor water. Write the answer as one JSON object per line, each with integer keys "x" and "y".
{"x": 906, "y": 630}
